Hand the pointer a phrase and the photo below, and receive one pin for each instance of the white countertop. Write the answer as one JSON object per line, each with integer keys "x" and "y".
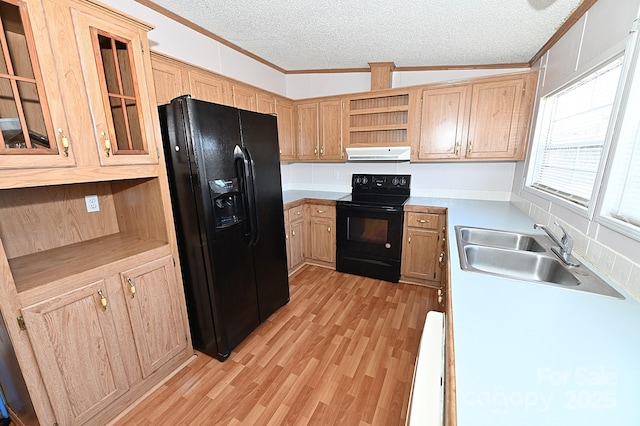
{"x": 531, "y": 354}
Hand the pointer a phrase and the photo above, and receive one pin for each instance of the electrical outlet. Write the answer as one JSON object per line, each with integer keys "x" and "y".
{"x": 92, "y": 203}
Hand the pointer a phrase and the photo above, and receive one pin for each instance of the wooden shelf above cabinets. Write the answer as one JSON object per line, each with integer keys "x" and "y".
{"x": 379, "y": 120}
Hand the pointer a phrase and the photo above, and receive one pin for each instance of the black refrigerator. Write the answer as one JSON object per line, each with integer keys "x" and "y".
{"x": 224, "y": 177}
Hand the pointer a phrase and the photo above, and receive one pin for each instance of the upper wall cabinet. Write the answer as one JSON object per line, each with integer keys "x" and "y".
{"x": 286, "y": 129}
{"x": 114, "y": 71}
{"x": 167, "y": 77}
{"x": 34, "y": 131}
{"x": 319, "y": 130}
{"x": 485, "y": 120}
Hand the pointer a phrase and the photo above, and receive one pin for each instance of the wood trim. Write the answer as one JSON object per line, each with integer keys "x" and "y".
{"x": 207, "y": 33}
{"x": 463, "y": 67}
{"x": 571, "y": 20}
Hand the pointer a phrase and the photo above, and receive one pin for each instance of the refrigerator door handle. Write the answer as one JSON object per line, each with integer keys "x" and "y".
{"x": 244, "y": 166}
{"x": 253, "y": 205}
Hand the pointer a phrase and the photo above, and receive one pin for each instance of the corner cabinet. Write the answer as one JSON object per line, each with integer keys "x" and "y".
{"x": 423, "y": 248}
{"x": 91, "y": 295}
{"x": 485, "y": 120}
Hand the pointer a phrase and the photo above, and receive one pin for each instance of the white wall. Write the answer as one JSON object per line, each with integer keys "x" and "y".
{"x": 599, "y": 35}
{"x": 488, "y": 181}
{"x": 178, "y": 41}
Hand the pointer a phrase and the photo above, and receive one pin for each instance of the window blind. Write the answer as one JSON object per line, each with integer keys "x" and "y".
{"x": 572, "y": 134}
{"x": 622, "y": 200}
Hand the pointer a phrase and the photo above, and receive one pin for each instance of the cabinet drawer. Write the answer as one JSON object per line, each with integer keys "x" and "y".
{"x": 318, "y": 210}
{"x": 295, "y": 213}
{"x": 423, "y": 220}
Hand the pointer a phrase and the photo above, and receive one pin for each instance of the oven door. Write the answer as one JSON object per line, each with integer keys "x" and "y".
{"x": 369, "y": 240}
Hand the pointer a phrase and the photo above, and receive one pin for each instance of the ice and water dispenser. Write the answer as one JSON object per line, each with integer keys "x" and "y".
{"x": 228, "y": 207}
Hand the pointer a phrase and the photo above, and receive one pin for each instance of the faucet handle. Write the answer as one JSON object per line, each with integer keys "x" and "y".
{"x": 566, "y": 240}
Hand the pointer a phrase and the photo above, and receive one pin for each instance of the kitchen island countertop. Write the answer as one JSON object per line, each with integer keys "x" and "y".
{"x": 532, "y": 354}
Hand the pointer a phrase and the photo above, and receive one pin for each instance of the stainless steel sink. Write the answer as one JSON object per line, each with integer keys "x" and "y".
{"x": 525, "y": 257}
{"x": 503, "y": 239}
{"x": 521, "y": 265}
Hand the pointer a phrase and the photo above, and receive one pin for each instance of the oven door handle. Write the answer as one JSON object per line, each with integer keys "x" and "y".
{"x": 366, "y": 207}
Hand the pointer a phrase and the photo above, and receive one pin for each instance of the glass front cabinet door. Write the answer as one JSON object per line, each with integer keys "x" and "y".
{"x": 33, "y": 131}
{"x": 114, "y": 68}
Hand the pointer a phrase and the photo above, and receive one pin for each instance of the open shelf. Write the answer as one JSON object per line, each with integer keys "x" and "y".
{"x": 33, "y": 270}
{"x": 379, "y": 120}
{"x": 48, "y": 234}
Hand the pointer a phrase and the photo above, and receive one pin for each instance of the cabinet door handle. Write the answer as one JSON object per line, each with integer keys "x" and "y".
{"x": 456, "y": 149}
{"x": 441, "y": 258}
{"x": 409, "y": 238}
{"x": 322, "y": 151}
{"x": 440, "y": 296}
{"x": 321, "y": 211}
{"x": 315, "y": 150}
{"x": 329, "y": 229}
{"x": 298, "y": 213}
{"x": 470, "y": 148}
{"x": 107, "y": 144}
{"x": 132, "y": 287}
{"x": 103, "y": 300}
{"x": 293, "y": 233}
{"x": 65, "y": 143}
{"x": 423, "y": 221}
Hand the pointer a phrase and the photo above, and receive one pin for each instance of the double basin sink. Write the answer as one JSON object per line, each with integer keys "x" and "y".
{"x": 526, "y": 257}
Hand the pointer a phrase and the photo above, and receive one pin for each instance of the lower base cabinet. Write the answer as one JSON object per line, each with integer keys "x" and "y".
{"x": 294, "y": 233}
{"x": 95, "y": 342}
{"x": 423, "y": 249}
{"x": 322, "y": 234}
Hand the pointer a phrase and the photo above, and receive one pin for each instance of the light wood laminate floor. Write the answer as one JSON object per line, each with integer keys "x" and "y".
{"x": 341, "y": 352}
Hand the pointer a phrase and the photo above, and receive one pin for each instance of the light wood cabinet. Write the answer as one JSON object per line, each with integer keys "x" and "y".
{"x": 153, "y": 306}
{"x": 295, "y": 236}
{"x": 444, "y": 125}
{"x": 286, "y": 129}
{"x": 168, "y": 78}
{"x": 75, "y": 343}
{"x": 113, "y": 66}
{"x": 265, "y": 103}
{"x": 485, "y": 120}
{"x": 72, "y": 237}
{"x": 322, "y": 233}
{"x": 33, "y": 123}
{"x": 496, "y": 127}
{"x": 319, "y": 130}
{"x": 207, "y": 87}
{"x": 423, "y": 249}
{"x": 243, "y": 97}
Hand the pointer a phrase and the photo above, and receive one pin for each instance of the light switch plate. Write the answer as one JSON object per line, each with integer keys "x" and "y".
{"x": 92, "y": 203}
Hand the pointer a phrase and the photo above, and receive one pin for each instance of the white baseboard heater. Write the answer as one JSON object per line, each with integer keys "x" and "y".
{"x": 426, "y": 405}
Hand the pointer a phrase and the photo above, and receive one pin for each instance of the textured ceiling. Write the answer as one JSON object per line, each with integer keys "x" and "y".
{"x": 330, "y": 34}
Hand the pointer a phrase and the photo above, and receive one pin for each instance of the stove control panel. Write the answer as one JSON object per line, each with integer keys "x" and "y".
{"x": 362, "y": 181}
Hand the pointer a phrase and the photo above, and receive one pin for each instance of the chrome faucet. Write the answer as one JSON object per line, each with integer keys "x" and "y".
{"x": 565, "y": 243}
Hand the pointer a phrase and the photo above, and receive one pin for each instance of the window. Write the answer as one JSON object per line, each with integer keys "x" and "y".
{"x": 571, "y": 133}
{"x": 621, "y": 201}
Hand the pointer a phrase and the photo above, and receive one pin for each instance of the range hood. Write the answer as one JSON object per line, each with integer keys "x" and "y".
{"x": 391, "y": 153}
